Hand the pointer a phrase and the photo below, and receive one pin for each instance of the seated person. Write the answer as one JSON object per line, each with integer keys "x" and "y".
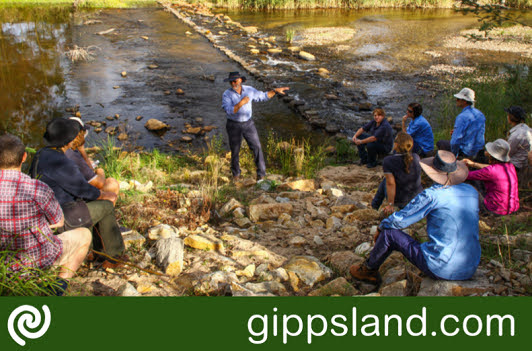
{"x": 95, "y": 177}
{"x": 28, "y": 213}
{"x": 55, "y": 169}
{"x": 520, "y": 140}
{"x": 467, "y": 136}
{"x": 419, "y": 129}
{"x": 402, "y": 174}
{"x": 451, "y": 207}
{"x": 376, "y": 137}
{"x": 499, "y": 178}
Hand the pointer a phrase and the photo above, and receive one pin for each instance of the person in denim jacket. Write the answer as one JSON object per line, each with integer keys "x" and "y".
{"x": 451, "y": 208}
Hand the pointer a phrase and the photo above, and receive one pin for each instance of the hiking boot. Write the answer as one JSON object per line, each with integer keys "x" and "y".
{"x": 236, "y": 179}
{"x": 362, "y": 162}
{"x": 364, "y": 273}
{"x": 371, "y": 165}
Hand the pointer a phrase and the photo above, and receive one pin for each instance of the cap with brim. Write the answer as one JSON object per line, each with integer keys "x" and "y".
{"x": 83, "y": 126}
{"x": 234, "y": 76}
{"x": 60, "y": 132}
{"x": 499, "y": 150}
{"x": 444, "y": 168}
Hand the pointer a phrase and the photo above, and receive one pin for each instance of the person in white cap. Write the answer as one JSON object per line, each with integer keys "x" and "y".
{"x": 94, "y": 176}
{"x": 499, "y": 178}
{"x": 467, "y": 136}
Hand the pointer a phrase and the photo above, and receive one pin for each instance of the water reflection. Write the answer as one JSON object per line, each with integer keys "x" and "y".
{"x": 31, "y": 76}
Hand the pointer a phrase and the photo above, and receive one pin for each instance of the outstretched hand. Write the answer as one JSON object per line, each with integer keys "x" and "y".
{"x": 281, "y": 91}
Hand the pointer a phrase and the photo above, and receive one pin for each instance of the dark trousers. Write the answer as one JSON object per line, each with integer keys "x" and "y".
{"x": 391, "y": 240}
{"x": 238, "y": 130}
{"x": 368, "y": 152}
{"x": 106, "y": 236}
{"x": 382, "y": 194}
{"x": 418, "y": 150}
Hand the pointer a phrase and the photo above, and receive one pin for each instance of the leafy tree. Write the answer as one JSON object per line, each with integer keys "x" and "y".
{"x": 490, "y": 16}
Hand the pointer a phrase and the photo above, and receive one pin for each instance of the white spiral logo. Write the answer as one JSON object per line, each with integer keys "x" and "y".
{"x": 30, "y": 317}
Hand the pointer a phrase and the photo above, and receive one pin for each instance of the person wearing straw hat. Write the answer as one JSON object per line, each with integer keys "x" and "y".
{"x": 467, "y": 136}
{"x": 499, "y": 178}
{"x": 94, "y": 176}
{"x": 236, "y": 102}
{"x": 451, "y": 208}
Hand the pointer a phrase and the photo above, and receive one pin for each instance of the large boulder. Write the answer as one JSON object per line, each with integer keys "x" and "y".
{"x": 478, "y": 285}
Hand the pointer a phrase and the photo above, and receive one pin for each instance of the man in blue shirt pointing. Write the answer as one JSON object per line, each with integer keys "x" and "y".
{"x": 236, "y": 102}
{"x": 451, "y": 208}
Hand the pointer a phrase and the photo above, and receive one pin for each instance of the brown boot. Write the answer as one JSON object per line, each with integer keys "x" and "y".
{"x": 362, "y": 272}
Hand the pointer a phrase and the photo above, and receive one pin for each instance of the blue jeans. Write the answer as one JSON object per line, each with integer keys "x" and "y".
{"x": 368, "y": 152}
{"x": 238, "y": 130}
{"x": 391, "y": 240}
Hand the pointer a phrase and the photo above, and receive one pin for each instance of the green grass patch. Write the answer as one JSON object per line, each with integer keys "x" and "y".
{"x": 494, "y": 92}
{"x": 29, "y": 281}
{"x": 160, "y": 168}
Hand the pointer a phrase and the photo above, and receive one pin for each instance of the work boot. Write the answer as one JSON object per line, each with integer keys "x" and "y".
{"x": 364, "y": 273}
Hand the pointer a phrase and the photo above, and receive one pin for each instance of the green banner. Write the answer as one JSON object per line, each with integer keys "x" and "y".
{"x": 96, "y": 323}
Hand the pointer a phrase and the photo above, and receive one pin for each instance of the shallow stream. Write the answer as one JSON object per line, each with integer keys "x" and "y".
{"x": 38, "y": 82}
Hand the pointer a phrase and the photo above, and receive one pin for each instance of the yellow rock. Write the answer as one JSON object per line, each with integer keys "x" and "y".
{"x": 249, "y": 271}
{"x": 144, "y": 288}
{"x": 204, "y": 242}
{"x": 302, "y": 185}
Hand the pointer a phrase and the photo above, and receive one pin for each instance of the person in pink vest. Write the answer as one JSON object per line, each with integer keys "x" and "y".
{"x": 499, "y": 178}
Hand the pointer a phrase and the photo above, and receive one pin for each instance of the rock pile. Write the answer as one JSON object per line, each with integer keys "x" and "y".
{"x": 297, "y": 239}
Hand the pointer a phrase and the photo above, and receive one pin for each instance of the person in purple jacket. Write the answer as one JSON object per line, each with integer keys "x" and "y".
{"x": 499, "y": 178}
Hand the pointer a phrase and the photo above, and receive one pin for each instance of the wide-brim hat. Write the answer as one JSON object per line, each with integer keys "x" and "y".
{"x": 83, "y": 126}
{"x": 466, "y": 94}
{"x": 234, "y": 76}
{"x": 444, "y": 168}
{"x": 517, "y": 111}
{"x": 499, "y": 149}
{"x": 61, "y": 131}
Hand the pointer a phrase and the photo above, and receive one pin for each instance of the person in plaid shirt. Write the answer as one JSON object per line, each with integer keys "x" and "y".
{"x": 28, "y": 213}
